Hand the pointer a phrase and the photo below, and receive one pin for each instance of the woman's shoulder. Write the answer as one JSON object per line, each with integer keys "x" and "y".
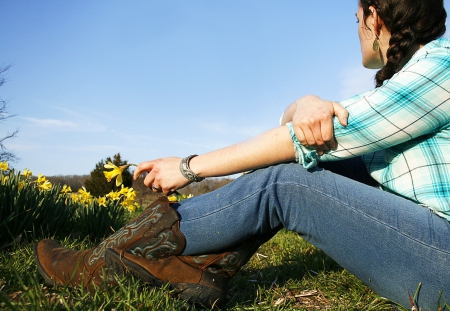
{"x": 439, "y": 47}
{"x": 430, "y": 58}
{"x": 440, "y": 43}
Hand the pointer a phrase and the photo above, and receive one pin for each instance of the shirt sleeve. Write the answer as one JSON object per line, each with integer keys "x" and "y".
{"x": 413, "y": 103}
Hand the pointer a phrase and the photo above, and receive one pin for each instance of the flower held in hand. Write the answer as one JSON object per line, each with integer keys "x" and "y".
{"x": 116, "y": 171}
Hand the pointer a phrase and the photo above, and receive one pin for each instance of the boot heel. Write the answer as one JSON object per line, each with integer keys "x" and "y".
{"x": 201, "y": 294}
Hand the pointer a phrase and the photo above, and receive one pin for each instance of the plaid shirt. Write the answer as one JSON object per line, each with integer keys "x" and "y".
{"x": 402, "y": 130}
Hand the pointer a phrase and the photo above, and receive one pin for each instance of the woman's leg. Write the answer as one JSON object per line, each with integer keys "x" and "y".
{"x": 388, "y": 242}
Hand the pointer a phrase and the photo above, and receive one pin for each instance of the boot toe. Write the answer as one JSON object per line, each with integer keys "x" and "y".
{"x": 58, "y": 265}
{"x": 42, "y": 259}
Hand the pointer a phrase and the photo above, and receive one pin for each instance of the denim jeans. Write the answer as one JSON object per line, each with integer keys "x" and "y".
{"x": 388, "y": 242}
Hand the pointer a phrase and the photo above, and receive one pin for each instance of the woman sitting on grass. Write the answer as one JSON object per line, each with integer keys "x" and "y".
{"x": 396, "y": 136}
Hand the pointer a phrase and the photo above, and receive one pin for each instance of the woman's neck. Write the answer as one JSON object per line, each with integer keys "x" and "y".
{"x": 414, "y": 48}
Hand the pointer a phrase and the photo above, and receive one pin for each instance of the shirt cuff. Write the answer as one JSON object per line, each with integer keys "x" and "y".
{"x": 308, "y": 158}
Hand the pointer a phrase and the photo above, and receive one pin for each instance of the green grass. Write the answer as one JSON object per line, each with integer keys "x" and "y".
{"x": 285, "y": 274}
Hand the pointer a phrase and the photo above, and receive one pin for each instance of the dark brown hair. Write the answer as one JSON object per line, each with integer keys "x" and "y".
{"x": 409, "y": 22}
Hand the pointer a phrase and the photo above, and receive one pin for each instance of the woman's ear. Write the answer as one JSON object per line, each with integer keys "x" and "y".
{"x": 375, "y": 21}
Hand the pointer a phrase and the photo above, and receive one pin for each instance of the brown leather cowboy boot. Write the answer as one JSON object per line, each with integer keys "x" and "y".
{"x": 198, "y": 279}
{"x": 154, "y": 233}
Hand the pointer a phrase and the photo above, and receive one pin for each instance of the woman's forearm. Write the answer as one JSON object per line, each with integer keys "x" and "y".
{"x": 272, "y": 147}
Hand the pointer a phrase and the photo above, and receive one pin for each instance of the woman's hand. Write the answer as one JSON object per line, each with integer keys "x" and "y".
{"x": 163, "y": 175}
{"x": 312, "y": 119}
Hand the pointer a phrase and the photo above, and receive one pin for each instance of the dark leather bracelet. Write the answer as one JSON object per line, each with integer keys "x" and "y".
{"x": 186, "y": 170}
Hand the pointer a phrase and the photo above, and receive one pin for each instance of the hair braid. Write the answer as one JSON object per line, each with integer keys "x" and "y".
{"x": 399, "y": 45}
{"x": 409, "y": 22}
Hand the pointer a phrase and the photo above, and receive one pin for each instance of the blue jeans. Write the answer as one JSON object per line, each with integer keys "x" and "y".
{"x": 388, "y": 242}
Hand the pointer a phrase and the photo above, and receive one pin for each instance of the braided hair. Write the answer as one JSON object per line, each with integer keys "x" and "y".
{"x": 410, "y": 22}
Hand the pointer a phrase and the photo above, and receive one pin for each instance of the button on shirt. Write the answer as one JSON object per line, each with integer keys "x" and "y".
{"x": 402, "y": 130}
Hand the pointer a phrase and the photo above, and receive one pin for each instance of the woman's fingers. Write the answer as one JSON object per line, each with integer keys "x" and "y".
{"x": 327, "y": 135}
{"x": 341, "y": 113}
{"x": 316, "y": 135}
{"x": 163, "y": 175}
{"x": 313, "y": 122}
{"x": 142, "y": 168}
{"x": 149, "y": 180}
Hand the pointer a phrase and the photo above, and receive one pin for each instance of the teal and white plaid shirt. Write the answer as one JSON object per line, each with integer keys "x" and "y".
{"x": 402, "y": 130}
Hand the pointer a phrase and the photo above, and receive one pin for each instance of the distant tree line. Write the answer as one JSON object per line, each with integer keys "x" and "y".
{"x": 205, "y": 186}
{"x": 74, "y": 181}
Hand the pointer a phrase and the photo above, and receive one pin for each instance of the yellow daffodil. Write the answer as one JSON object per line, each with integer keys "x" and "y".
{"x": 66, "y": 189}
{"x": 41, "y": 178}
{"x": 4, "y": 166}
{"x": 131, "y": 194}
{"x": 128, "y": 193}
{"x": 46, "y": 185}
{"x": 75, "y": 197}
{"x": 85, "y": 200}
{"x": 83, "y": 191}
{"x": 126, "y": 203}
{"x": 101, "y": 201}
{"x": 123, "y": 190}
{"x": 27, "y": 173}
{"x": 130, "y": 205}
{"x": 177, "y": 197}
{"x": 113, "y": 196}
{"x": 172, "y": 198}
{"x": 116, "y": 171}
{"x": 43, "y": 183}
{"x": 21, "y": 185}
{"x": 85, "y": 195}
{"x": 4, "y": 179}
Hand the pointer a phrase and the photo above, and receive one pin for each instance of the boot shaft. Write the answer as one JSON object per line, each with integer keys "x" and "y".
{"x": 155, "y": 233}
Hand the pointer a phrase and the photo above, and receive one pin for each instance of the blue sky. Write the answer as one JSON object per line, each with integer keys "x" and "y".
{"x": 149, "y": 79}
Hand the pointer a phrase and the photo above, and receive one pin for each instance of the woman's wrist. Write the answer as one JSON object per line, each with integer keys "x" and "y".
{"x": 186, "y": 170}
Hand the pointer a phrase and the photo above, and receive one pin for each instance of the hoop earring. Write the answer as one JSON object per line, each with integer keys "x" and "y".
{"x": 376, "y": 44}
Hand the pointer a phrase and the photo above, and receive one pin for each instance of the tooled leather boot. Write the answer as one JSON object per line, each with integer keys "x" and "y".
{"x": 155, "y": 233}
{"x": 200, "y": 279}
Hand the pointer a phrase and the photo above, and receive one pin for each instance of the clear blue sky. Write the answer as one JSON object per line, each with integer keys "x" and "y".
{"x": 151, "y": 79}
